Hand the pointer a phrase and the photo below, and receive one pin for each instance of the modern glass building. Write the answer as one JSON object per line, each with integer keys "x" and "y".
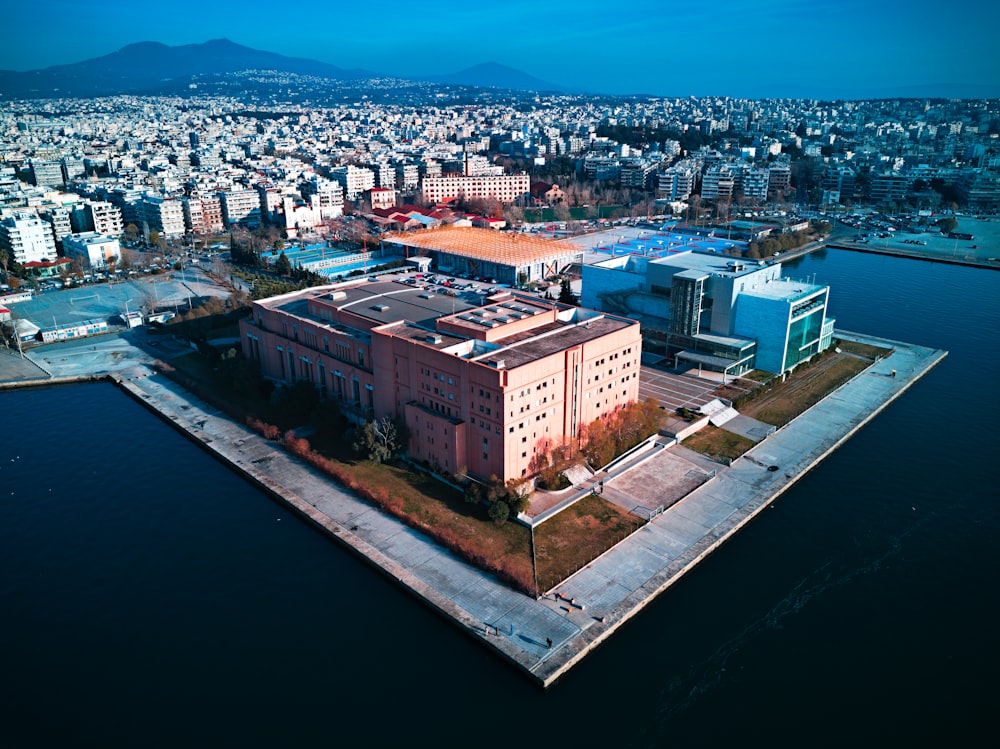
{"x": 720, "y": 313}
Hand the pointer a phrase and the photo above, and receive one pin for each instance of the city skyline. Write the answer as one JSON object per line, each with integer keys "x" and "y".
{"x": 774, "y": 48}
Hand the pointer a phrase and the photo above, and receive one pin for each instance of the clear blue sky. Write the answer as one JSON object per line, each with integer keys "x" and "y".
{"x": 753, "y": 48}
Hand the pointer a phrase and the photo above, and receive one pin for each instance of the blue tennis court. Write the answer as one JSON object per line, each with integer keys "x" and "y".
{"x": 662, "y": 244}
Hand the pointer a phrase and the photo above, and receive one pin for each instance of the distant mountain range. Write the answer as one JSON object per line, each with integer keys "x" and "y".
{"x": 494, "y": 75}
{"x": 148, "y": 67}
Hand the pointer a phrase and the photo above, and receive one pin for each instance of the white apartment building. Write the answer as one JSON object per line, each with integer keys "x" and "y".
{"x": 325, "y": 195}
{"x": 163, "y": 215}
{"x": 59, "y": 218}
{"x": 91, "y": 249}
{"x": 99, "y": 216}
{"x": 717, "y": 182}
{"x": 385, "y": 174}
{"x": 354, "y": 179}
{"x": 407, "y": 176}
{"x": 476, "y": 165}
{"x": 677, "y": 182}
{"x": 240, "y": 207}
{"x": 26, "y": 237}
{"x": 755, "y": 182}
{"x": 505, "y": 188}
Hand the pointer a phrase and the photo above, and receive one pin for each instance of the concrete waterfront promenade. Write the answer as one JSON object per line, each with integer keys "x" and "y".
{"x": 587, "y": 608}
{"x": 915, "y": 254}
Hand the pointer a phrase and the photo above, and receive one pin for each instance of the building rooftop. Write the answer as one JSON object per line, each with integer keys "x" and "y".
{"x": 413, "y": 313}
{"x": 486, "y": 244}
{"x": 711, "y": 263}
{"x": 382, "y": 302}
{"x": 561, "y": 336}
{"x": 784, "y": 289}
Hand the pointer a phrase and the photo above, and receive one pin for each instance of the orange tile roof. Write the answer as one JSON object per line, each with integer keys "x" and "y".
{"x": 486, "y": 244}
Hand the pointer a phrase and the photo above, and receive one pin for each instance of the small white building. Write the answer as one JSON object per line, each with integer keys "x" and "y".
{"x": 74, "y": 330}
{"x": 91, "y": 249}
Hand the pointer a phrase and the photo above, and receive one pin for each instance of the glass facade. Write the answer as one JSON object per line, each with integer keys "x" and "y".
{"x": 685, "y": 304}
{"x": 804, "y": 336}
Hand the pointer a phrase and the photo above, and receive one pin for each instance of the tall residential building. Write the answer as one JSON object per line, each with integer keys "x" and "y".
{"x": 355, "y": 180}
{"x": 58, "y": 217}
{"x": 407, "y": 176}
{"x": 755, "y": 181}
{"x": 779, "y": 180}
{"x": 981, "y": 189}
{"x": 240, "y": 207}
{"x": 385, "y": 174}
{"x": 202, "y": 213}
{"x": 839, "y": 180}
{"x": 27, "y": 238}
{"x": 677, "y": 182}
{"x": 324, "y": 194}
{"x": 889, "y": 188}
{"x": 47, "y": 173}
{"x": 717, "y": 182}
{"x": 164, "y": 215}
{"x": 637, "y": 172}
{"x": 98, "y": 216}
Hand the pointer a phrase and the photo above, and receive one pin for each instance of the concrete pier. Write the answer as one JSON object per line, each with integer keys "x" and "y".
{"x": 588, "y": 607}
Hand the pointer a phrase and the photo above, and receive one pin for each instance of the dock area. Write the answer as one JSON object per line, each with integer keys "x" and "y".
{"x": 546, "y": 637}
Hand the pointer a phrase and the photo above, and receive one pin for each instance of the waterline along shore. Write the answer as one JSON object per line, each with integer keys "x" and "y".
{"x": 912, "y": 254}
{"x": 590, "y": 606}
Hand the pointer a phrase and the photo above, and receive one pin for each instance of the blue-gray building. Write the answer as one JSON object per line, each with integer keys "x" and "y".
{"x": 721, "y": 313}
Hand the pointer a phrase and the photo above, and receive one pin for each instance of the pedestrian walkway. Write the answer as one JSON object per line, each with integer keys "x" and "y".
{"x": 546, "y": 637}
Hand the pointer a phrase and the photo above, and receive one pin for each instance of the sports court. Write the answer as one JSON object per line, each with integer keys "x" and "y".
{"x": 325, "y": 260}
{"x": 655, "y": 243}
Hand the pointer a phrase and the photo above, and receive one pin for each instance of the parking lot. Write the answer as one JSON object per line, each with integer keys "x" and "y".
{"x": 674, "y": 390}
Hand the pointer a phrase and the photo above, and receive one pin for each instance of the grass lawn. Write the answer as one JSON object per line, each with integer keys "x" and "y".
{"x": 804, "y": 388}
{"x": 577, "y": 536}
{"x": 442, "y": 513}
{"x": 863, "y": 349}
{"x": 717, "y": 443}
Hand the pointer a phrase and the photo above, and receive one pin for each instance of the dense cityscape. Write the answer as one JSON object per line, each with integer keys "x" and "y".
{"x": 192, "y": 167}
{"x": 532, "y": 356}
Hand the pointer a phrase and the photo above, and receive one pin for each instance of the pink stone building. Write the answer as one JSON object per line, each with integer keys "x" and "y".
{"x": 479, "y": 381}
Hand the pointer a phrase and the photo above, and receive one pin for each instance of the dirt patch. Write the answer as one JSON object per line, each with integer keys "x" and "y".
{"x": 577, "y": 536}
{"x": 718, "y": 444}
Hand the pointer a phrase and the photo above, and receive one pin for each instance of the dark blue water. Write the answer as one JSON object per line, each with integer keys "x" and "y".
{"x": 150, "y": 597}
